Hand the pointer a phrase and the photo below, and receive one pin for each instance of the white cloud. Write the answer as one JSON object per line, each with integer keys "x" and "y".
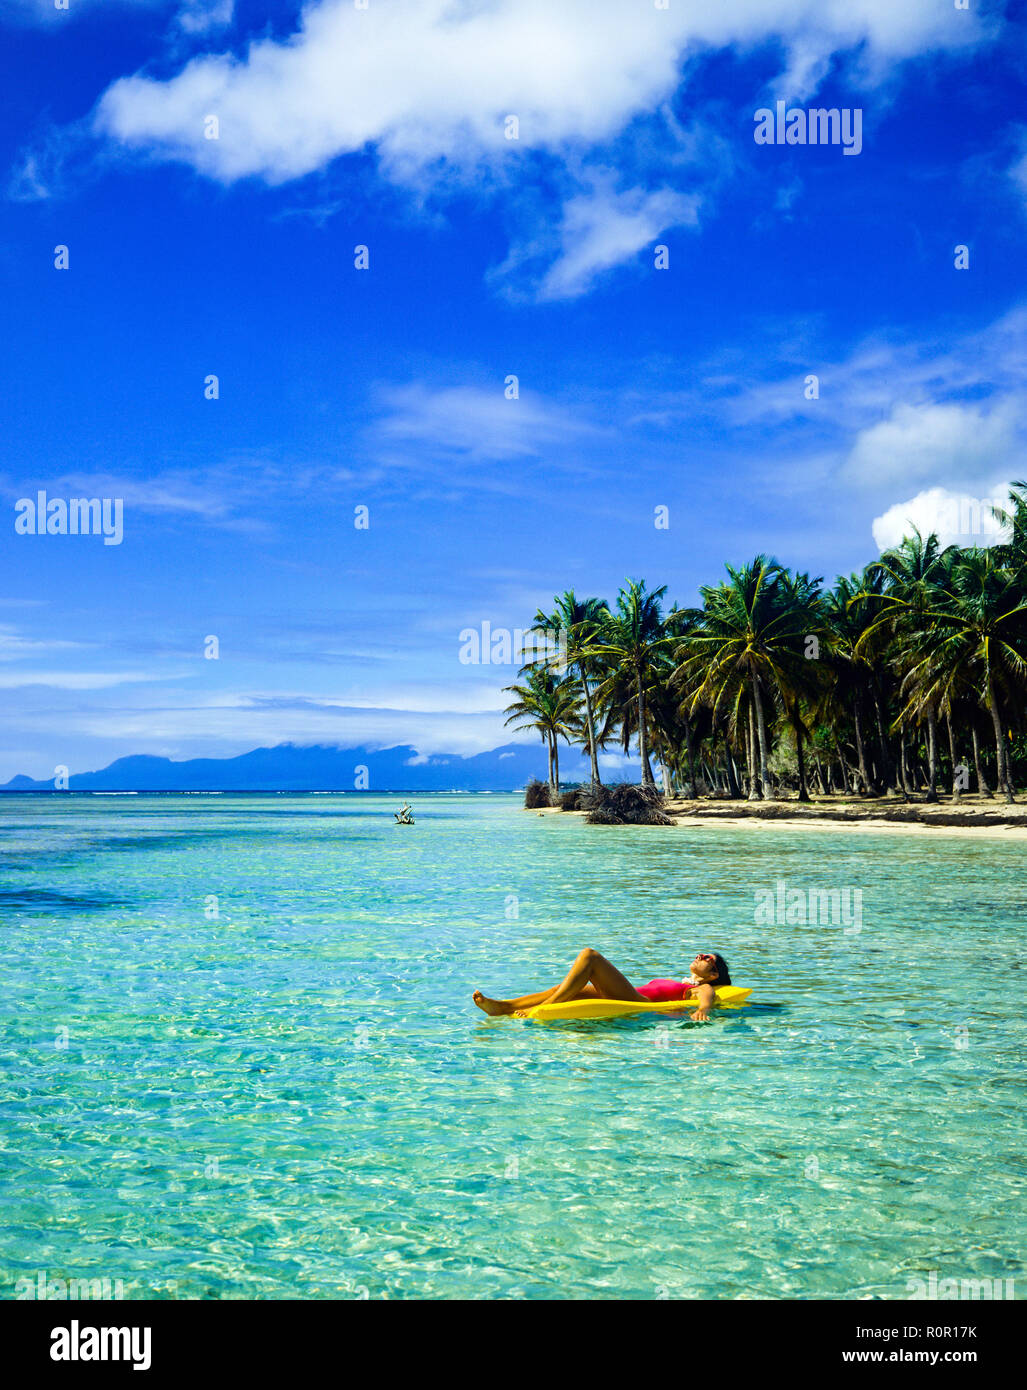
{"x": 602, "y": 228}
{"x": 1018, "y": 169}
{"x": 883, "y": 393}
{"x": 202, "y": 16}
{"x": 173, "y": 491}
{"x": 951, "y": 442}
{"x": 13, "y": 646}
{"x": 193, "y": 16}
{"x": 75, "y": 680}
{"x": 955, "y": 517}
{"x": 616, "y": 762}
{"x": 58, "y": 157}
{"x": 44, "y": 11}
{"x": 214, "y": 495}
{"x": 787, "y": 195}
{"x": 474, "y": 422}
{"x": 30, "y": 181}
{"x": 858, "y": 391}
{"x": 429, "y": 79}
{"x": 212, "y": 730}
{"x": 428, "y": 85}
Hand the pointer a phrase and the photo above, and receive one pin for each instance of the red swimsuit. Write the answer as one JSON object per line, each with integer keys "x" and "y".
{"x": 664, "y": 991}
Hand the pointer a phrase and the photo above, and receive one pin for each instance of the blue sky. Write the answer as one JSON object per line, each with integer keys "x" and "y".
{"x": 489, "y": 257}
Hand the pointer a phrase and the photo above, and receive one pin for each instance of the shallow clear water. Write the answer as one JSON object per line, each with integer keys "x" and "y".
{"x": 296, "y": 1097}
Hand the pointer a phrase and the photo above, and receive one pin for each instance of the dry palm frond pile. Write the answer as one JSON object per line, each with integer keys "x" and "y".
{"x": 537, "y": 794}
{"x": 625, "y": 804}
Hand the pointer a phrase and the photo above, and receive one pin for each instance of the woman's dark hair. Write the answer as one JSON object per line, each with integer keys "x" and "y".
{"x": 723, "y": 973}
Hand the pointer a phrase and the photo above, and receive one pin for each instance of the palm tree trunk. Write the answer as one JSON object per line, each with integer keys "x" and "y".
{"x": 882, "y": 739}
{"x": 556, "y": 766}
{"x": 1000, "y": 747}
{"x": 982, "y": 787}
{"x": 956, "y": 789}
{"x": 643, "y": 744}
{"x": 761, "y": 730}
{"x": 693, "y": 790}
{"x": 932, "y": 757}
{"x": 734, "y": 789}
{"x": 861, "y": 756}
{"x": 552, "y": 753}
{"x": 904, "y": 765}
{"x": 750, "y": 751}
{"x": 797, "y": 725}
{"x": 593, "y": 754}
{"x": 820, "y": 773}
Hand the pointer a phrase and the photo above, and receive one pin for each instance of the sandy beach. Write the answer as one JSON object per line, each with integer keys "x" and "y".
{"x": 971, "y": 817}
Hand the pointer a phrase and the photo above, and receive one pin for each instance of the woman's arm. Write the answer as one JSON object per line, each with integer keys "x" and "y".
{"x": 706, "y": 996}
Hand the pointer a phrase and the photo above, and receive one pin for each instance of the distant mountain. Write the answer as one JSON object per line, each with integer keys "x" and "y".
{"x": 288, "y": 767}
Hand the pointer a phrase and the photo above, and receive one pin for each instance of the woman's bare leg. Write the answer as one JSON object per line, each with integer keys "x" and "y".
{"x": 528, "y": 1001}
{"x": 523, "y": 1001}
{"x": 591, "y": 974}
{"x": 592, "y": 968}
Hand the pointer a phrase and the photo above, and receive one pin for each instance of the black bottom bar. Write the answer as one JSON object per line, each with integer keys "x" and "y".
{"x": 178, "y": 1342}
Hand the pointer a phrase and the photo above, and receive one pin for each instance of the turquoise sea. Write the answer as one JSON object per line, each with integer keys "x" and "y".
{"x": 239, "y": 1057}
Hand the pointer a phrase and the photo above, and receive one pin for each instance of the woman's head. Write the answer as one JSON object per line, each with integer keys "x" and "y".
{"x": 711, "y": 968}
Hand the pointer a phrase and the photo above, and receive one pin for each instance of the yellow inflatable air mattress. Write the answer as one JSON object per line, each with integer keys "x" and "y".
{"x": 728, "y": 996}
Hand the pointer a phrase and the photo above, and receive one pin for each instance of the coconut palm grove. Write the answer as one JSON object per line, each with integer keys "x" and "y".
{"x": 905, "y": 679}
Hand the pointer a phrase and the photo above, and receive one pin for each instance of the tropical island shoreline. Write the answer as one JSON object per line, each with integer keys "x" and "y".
{"x": 971, "y": 817}
{"x": 862, "y": 701}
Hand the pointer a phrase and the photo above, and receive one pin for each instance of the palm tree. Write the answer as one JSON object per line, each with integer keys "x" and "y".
{"x": 630, "y": 644}
{"x": 576, "y": 623}
{"x": 850, "y": 619}
{"x": 1014, "y": 551}
{"x": 802, "y": 673}
{"x": 728, "y": 699}
{"x": 551, "y": 705}
{"x": 673, "y": 729}
{"x": 867, "y": 669}
{"x": 751, "y": 635}
{"x": 975, "y": 632}
{"x": 925, "y": 634}
{"x": 913, "y": 573}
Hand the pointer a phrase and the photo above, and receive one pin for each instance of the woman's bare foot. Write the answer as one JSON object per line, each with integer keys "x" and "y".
{"x": 493, "y": 1007}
